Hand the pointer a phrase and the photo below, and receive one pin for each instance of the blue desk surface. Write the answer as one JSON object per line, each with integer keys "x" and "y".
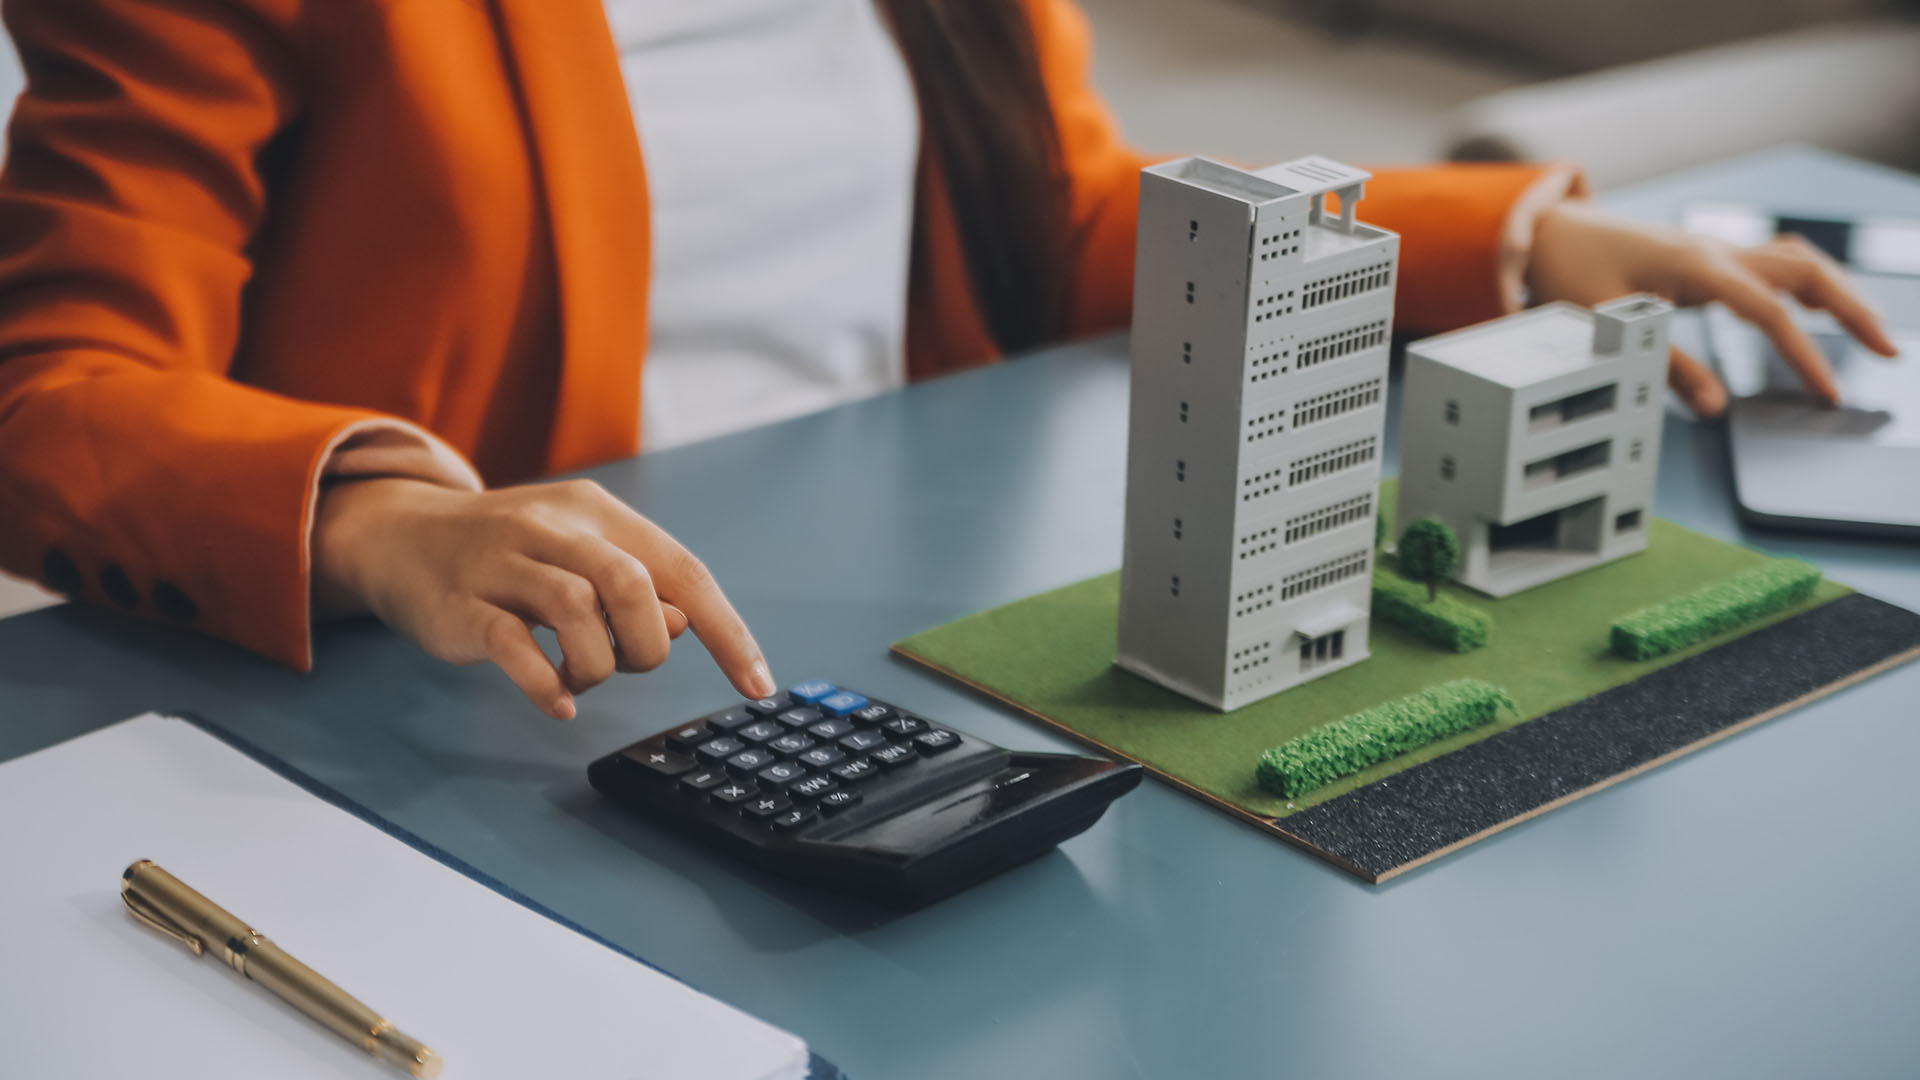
{"x": 1702, "y": 920}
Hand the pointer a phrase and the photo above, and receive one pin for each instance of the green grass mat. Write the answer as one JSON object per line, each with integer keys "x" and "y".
{"x": 1052, "y": 655}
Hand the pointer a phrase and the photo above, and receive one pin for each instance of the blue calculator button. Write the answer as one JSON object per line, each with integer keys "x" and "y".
{"x": 842, "y": 703}
{"x": 812, "y": 692}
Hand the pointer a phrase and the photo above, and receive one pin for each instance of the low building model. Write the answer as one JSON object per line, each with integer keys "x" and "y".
{"x": 1260, "y": 334}
{"x": 1535, "y": 438}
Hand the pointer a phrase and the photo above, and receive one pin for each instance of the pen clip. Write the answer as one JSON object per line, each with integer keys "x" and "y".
{"x": 140, "y": 909}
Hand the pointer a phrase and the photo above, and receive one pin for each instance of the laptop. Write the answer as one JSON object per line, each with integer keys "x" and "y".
{"x": 1798, "y": 464}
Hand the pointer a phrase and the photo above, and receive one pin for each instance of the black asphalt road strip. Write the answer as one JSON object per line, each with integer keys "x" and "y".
{"x": 1406, "y": 819}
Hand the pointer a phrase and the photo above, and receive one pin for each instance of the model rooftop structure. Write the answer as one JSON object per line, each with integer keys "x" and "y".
{"x": 1260, "y": 333}
{"x": 1535, "y": 438}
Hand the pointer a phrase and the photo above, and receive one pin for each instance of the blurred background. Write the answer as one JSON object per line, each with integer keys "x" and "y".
{"x": 1629, "y": 89}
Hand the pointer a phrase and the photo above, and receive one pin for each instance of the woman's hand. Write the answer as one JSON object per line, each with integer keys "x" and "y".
{"x": 1582, "y": 254}
{"x": 466, "y": 574}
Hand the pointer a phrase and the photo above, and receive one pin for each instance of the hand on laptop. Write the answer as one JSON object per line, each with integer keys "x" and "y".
{"x": 1583, "y": 254}
{"x": 467, "y": 574}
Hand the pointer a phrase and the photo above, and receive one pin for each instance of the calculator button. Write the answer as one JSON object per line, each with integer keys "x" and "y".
{"x": 857, "y": 769}
{"x": 872, "y": 715}
{"x": 799, "y": 718}
{"x": 761, "y": 732}
{"x": 689, "y": 737}
{"x": 780, "y": 773}
{"x": 795, "y": 818}
{"x": 936, "y": 741}
{"x": 730, "y": 720}
{"x": 704, "y": 780}
{"x": 719, "y": 749}
{"x": 903, "y": 725}
{"x": 790, "y": 744}
{"x": 896, "y": 754}
{"x": 747, "y": 762}
{"x": 812, "y": 692}
{"x": 812, "y": 787}
{"x": 734, "y": 792}
{"x": 836, "y": 801}
{"x": 842, "y": 703}
{"x": 767, "y": 706}
{"x": 821, "y": 756}
{"x": 661, "y": 763}
{"x": 862, "y": 741}
{"x": 831, "y": 729}
{"x": 766, "y": 806}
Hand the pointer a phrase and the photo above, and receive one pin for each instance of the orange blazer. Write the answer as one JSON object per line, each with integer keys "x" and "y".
{"x": 232, "y": 230}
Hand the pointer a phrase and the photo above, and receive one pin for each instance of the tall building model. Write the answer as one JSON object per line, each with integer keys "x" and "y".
{"x": 1260, "y": 334}
{"x": 1535, "y": 438}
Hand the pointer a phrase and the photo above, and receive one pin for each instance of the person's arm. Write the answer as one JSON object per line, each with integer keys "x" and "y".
{"x": 135, "y": 473}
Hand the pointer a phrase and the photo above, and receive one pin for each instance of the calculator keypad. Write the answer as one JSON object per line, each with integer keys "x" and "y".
{"x": 785, "y": 760}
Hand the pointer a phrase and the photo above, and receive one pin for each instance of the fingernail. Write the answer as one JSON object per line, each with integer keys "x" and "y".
{"x": 763, "y": 684}
{"x": 564, "y": 708}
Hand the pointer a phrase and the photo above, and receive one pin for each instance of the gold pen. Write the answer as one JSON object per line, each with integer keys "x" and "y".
{"x": 165, "y": 903}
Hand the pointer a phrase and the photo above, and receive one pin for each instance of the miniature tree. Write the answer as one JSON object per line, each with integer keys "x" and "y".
{"x": 1429, "y": 552}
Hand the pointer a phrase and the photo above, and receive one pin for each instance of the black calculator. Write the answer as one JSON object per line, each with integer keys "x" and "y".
{"x": 840, "y": 790}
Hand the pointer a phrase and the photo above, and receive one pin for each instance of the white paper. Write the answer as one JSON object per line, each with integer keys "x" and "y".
{"x": 498, "y": 990}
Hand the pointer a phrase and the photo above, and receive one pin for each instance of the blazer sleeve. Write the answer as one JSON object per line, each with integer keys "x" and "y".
{"x": 133, "y": 471}
{"x": 1461, "y": 226}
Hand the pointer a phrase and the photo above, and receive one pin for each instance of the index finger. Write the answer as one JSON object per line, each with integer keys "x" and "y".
{"x": 1753, "y": 299}
{"x": 1817, "y": 281}
{"x": 684, "y": 581}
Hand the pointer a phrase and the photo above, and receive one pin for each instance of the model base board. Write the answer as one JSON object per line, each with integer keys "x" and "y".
{"x": 1600, "y": 718}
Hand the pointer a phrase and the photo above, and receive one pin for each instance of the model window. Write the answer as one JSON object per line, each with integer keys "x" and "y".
{"x": 1453, "y": 412}
{"x": 1640, "y": 394}
{"x": 1627, "y": 522}
{"x": 1634, "y": 450}
{"x": 1446, "y": 468}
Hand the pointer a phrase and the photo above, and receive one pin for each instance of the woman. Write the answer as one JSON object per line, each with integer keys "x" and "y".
{"x": 283, "y": 281}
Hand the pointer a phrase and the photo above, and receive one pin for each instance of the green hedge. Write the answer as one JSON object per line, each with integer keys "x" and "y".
{"x": 1713, "y": 609}
{"x": 1445, "y": 622}
{"x": 1371, "y": 736}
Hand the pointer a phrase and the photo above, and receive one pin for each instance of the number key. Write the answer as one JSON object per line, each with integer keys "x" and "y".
{"x": 789, "y": 744}
{"x": 781, "y": 773}
{"x": 831, "y": 729}
{"x": 748, "y": 762}
{"x": 767, "y": 706}
{"x": 800, "y": 718}
{"x": 730, "y": 720}
{"x": 719, "y": 749}
{"x": 821, "y": 756}
{"x": 862, "y": 741}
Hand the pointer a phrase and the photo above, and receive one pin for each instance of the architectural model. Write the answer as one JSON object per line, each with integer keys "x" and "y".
{"x": 1535, "y": 438}
{"x": 1260, "y": 333}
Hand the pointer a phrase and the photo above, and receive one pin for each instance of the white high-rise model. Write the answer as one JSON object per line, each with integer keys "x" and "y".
{"x": 1260, "y": 332}
{"x": 1535, "y": 436}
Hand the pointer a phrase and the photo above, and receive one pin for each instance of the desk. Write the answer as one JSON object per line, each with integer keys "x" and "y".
{"x": 1699, "y": 920}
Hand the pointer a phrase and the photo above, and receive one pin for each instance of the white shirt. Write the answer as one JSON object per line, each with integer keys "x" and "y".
{"x": 781, "y": 139}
